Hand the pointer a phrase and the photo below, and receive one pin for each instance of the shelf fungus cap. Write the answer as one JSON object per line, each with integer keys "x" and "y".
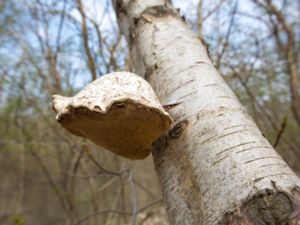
{"x": 119, "y": 111}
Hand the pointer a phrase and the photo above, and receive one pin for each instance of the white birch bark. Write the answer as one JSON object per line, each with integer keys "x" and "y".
{"x": 214, "y": 166}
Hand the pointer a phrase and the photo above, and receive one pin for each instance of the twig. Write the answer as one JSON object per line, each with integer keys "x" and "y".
{"x": 143, "y": 188}
{"x": 74, "y": 168}
{"x": 60, "y": 26}
{"x": 134, "y": 199}
{"x": 102, "y": 212}
{"x": 213, "y": 10}
{"x": 118, "y": 195}
{"x": 97, "y": 164}
{"x": 154, "y": 202}
{"x": 224, "y": 48}
{"x": 280, "y": 132}
{"x": 85, "y": 39}
{"x": 52, "y": 184}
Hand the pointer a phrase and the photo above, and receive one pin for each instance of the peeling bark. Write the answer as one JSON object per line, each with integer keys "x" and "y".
{"x": 214, "y": 165}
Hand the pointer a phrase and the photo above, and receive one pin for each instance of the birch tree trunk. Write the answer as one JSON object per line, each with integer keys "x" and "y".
{"x": 214, "y": 165}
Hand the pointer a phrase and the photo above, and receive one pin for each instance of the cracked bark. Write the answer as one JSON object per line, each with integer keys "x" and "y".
{"x": 214, "y": 165}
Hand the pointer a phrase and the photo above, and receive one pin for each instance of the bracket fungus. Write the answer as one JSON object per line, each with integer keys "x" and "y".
{"x": 118, "y": 111}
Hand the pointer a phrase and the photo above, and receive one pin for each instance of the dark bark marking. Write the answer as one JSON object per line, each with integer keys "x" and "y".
{"x": 201, "y": 62}
{"x": 253, "y": 148}
{"x": 202, "y": 132}
{"x": 219, "y": 160}
{"x": 180, "y": 86}
{"x": 163, "y": 142}
{"x": 196, "y": 64}
{"x": 159, "y": 11}
{"x": 204, "y": 192}
{"x": 273, "y": 164}
{"x": 135, "y": 21}
{"x": 271, "y": 175}
{"x": 242, "y": 125}
{"x": 150, "y": 70}
{"x": 161, "y": 162}
{"x": 228, "y": 97}
{"x": 160, "y": 144}
{"x": 177, "y": 130}
{"x": 191, "y": 93}
{"x": 222, "y": 136}
{"x": 260, "y": 158}
{"x": 211, "y": 85}
{"x": 187, "y": 68}
{"x": 233, "y": 147}
{"x": 207, "y": 140}
{"x": 120, "y": 8}
{"x": 238, "y": 131}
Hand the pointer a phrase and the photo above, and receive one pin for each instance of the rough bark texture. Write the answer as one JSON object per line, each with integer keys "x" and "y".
{"x": 214, "y": 165}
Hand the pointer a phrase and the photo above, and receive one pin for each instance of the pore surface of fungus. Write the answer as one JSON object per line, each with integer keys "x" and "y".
{"x": 118, "y": 111}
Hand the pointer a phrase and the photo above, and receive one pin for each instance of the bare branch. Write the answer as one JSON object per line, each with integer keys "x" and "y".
{"x": 85, "y": 38}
